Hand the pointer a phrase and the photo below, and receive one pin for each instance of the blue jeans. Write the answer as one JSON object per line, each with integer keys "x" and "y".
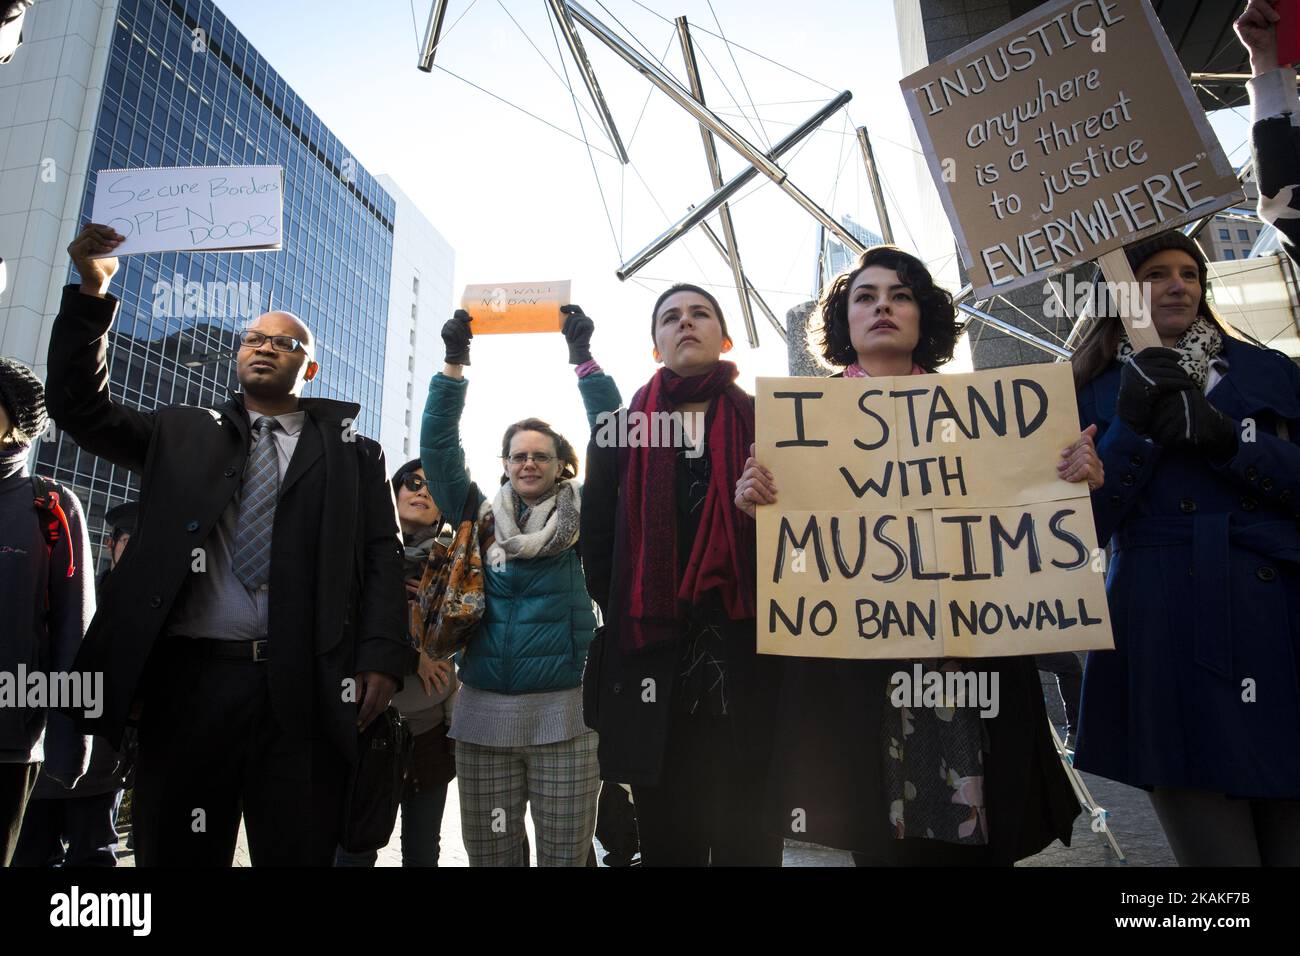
{"x": 421, "y": 832}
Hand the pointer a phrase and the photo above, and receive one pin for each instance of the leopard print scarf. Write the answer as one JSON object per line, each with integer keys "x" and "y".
{"x": 1197, "y": 347}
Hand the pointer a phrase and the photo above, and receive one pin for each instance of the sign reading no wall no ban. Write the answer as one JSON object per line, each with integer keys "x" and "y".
{"x": 1070, "y": 132}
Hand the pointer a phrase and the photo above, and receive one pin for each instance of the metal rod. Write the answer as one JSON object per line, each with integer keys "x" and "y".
{"x": 715, "y": 174}
{"x": 698, "y": 214}
{"x": 1015, "y": 331}
{"x": 749, "y": 286}
{"x": 432, "y": 35}
{"x": 703, "y": 114}
{"x": 819, "y": 267}
{"x": 579, "y": 52}
{"x": 873, "y": 177}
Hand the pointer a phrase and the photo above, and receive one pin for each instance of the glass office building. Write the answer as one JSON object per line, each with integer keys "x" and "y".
{"x": 176, "y": 97}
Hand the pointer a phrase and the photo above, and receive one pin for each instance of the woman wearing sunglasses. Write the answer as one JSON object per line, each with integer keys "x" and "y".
{"x": 518, "y": 727}
{"x": 425, "y": 704}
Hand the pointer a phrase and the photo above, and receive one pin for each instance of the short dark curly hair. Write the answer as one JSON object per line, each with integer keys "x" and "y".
{"x": 828, "y": 332}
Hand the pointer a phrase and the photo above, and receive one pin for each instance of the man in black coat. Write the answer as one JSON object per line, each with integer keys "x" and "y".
{"x": 258, "y": 618}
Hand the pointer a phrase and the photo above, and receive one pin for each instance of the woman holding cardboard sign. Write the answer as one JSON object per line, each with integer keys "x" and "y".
{"x": 682, "y": 701}
{"x": 1200, "y": 700}
{"x": 518, "y": 723}
{"x": 952, "y": 785}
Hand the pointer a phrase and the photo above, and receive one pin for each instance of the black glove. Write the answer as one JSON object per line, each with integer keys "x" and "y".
{"x": 1187, "y": 419}
{"x": 1145, "y": 378}
{"x": 577, "y": 331}
{"x": 456, "y": 334}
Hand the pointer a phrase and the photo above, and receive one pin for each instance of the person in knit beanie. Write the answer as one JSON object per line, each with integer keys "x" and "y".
{"x": 48, "y": 597}
{"x": 22, "y": 404}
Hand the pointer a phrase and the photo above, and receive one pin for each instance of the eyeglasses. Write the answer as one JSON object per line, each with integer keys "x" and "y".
{"x": 281, "y": 343}
{"x": 414, "y": 483}
{"x": 538, "y": 457}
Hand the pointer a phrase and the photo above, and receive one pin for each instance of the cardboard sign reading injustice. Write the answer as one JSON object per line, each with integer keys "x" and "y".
{"x": 193, "y": 208}
{"x": 922, "y": 516}
{"x": 516, "y": 306}
{"x": 1070, "y": 132}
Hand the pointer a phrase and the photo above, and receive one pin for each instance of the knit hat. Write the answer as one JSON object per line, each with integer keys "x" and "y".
{"x": 413, "y": 465}
{"x": 1140, "y": 252}
{"x": 23, "y": 397}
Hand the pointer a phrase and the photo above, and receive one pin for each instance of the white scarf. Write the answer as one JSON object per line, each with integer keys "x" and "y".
{"x": 550, "y": 527}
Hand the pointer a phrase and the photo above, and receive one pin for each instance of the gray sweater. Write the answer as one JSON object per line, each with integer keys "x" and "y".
{"x": 36, "y": 641}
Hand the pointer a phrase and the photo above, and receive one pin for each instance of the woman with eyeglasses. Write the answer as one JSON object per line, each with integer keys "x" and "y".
{"x": 681, "y": 699}
{"x": 520, "y": 737}
{"x": 426, "y": 705}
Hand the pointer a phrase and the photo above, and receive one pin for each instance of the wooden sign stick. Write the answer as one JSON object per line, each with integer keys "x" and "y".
{"x": 1141, "y": 330}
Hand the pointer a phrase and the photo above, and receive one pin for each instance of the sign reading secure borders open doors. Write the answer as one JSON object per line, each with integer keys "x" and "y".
{"x": 1068, "y": 133}
{"x": 922, "y": 516}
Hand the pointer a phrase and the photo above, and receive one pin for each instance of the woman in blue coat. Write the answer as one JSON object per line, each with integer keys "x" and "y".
{"x": 1200, "y": 701}
{"x": 517, "y": 723}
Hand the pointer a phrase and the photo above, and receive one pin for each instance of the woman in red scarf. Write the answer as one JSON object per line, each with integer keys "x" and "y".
{"x": 904, "y": 785}
{"x": 682, "y": 703}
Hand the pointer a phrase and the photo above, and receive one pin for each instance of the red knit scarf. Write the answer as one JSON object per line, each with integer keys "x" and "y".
{"x": 723, "y": 555}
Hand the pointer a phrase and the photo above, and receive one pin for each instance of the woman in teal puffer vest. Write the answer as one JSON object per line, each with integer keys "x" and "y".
{"x": 520, "y": 737}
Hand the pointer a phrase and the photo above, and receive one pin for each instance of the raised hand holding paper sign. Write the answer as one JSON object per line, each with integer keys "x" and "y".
{"x": 503, "y": 307}
{"x": 192, "y": 208}
{"x": 923, "y": 516}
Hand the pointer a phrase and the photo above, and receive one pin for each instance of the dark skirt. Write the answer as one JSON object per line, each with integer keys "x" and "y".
{"x": 827, "y": 779}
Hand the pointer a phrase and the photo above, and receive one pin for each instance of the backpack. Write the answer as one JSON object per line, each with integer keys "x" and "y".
{"x": 54, "y": 522}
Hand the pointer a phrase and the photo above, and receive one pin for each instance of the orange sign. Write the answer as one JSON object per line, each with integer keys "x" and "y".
{"x": 504, "y": 307}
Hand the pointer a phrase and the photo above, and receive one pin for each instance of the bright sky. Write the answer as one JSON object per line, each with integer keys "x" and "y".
{"x": 519, "y": 201}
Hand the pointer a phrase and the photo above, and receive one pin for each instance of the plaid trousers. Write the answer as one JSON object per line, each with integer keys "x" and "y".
{"x": 560, "y": 780}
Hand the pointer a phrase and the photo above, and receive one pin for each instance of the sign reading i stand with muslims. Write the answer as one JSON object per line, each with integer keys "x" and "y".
{"x": 922, "y": 516}
{"x": 192, "y": 208}
{"x": 1068, "y": 133}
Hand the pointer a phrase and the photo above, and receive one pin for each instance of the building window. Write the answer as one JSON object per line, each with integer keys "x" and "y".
{"x": 408, "y": 418}
{"x": 409, "y": 391}
{"x": 1243, "y": 235}
{"x": 412, "y": 336}
{"x": 415, "y": 285}
{"x": 412, "y": 311}
{"x": 406, "y": 446}
{"x": 1224, "y": 235}
{"x": 410, "y": 364}
{"x": 1229, "y": 254}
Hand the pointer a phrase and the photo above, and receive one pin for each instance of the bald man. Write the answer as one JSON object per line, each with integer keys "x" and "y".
{"x": 257, "y": 622}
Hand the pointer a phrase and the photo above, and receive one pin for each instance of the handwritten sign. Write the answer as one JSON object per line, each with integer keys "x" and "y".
{"x": 1070, "y": 132}
{"x": 506, "y": 307}
{"x": 922, "y": 516}
{"x": 192, "y": 209}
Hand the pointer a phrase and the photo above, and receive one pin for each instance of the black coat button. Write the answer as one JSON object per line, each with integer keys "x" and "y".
{"x": 191, "y": 526}
{"x": 1266, "y": 483}
{"x": 1116, "y": 499}
{"x": 1284, "y": 494}
{"x": 1187, "y": 506}
{"x": 1249, "y": 504}
{"x": 1136, "y": 461}
{"x": 1251, "y": 473}
{"x": 1265, "y": 573}
{"x": 1127, "y": 480}
{"x": 230, "y": 473}
{"x": 155, "y": 602}
{"x": 618, "y": 688}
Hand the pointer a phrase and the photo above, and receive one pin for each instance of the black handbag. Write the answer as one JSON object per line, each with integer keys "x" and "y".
{"x": 378, "y": 781}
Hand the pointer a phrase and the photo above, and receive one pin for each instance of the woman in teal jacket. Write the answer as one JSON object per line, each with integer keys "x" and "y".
{"x": 517, "y": 722}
